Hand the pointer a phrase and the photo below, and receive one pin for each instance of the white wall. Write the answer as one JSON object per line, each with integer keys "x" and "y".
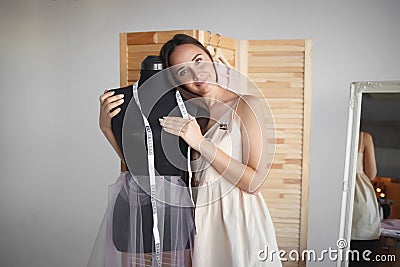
{"x": 57, "y": 57}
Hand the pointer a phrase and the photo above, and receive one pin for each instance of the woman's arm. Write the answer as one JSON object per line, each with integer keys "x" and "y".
{"x": 248, "y": 175}
{"x": 111, "y": 139}
{"x": 369, "y": 156}
{"x": 108, "y": 102}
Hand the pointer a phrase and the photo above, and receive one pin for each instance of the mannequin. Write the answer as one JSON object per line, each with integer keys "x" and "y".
{"x": 128, "y": 234}
{"x": 157, "y": 101}
{"x": 128, "y": 128}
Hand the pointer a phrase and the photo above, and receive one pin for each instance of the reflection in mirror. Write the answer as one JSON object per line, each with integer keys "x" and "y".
{"x": 380, "y": 116}
{"x": 370, "y": 220}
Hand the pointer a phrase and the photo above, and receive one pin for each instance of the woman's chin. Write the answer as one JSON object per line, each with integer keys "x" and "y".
{"x": 204, "y": 88}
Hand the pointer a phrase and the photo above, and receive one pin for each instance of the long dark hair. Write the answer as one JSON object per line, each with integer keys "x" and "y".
{"x": 179, "y": 39}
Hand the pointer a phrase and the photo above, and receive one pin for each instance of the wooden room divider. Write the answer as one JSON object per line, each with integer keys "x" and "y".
{"x": 282, "y": 70}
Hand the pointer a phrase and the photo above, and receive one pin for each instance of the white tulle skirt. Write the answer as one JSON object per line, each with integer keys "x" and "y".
{"x": 125, "y": 237}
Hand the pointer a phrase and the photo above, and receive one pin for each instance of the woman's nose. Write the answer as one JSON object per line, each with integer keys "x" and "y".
{"x": 195, "y": 75}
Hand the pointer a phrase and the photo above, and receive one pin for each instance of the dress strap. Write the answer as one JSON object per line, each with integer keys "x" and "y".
{"x": 234, "y": 110}
{"x": 361, "y": 142}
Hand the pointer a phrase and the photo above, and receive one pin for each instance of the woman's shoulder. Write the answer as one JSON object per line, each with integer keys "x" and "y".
{"x": 366, "y": 141}
{"x": 248, "y": 103}
{"x": 366, "y": 136}
{"x": 251, "y": 99}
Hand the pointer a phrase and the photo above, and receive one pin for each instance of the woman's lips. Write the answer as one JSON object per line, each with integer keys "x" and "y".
{"x": 201, "y": 83}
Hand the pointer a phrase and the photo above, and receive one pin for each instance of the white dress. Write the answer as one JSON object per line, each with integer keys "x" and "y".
{"x": 366, "y": 223}
{"x": 232, "y": 225}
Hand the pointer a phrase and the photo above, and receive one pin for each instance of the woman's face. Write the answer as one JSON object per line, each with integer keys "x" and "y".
{"x": 193, "y": 67}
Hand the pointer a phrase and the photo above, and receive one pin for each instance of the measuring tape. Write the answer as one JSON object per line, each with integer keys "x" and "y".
{"x": 150, "y": 157}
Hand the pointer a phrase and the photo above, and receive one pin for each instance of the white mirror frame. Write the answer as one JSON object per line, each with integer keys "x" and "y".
{"x": 353, "y": 127}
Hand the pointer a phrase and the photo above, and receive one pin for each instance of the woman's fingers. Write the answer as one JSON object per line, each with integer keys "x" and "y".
{"x": 109, "y": 106}
{"x": 176, "y": 123}
{"x": 112, "y": 99}
{"x": 109, "y": 101}
{"x": 115, "y": 112}
{"x": 173, "y": 125}
{"x": 172, "y": 131}
{"x": 188, "y": 129}
{"x": 105, "y": 95}
{"x": 108, "y": 97}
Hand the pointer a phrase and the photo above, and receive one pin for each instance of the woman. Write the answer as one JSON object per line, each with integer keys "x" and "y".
{"x": 366, "y": 221}
{"x": 366, "y": 225}
{"x": 233, "y": 223}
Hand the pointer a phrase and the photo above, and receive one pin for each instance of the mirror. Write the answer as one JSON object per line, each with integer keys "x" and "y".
{"x": 369, "y": 231}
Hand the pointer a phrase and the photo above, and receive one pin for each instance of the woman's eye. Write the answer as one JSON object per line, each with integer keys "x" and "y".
{"x": 198, "y": 61}
{"x": 182, "y": 73}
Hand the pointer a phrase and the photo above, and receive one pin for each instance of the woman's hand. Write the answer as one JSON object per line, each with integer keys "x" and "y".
{"x": 188, "y": 129}
{"x": 107, "y": 103}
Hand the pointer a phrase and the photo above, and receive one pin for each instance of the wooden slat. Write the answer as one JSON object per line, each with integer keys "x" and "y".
{"x": 123, "y": 71}
{"x": 286, "y": 171}
{"x": 260, "y": 59}
{"x": 285, "y": 220}
{"x": 275, "y": 75}
{"x": 243, "y": 56}
{"x": 154, "y": 37}
{"x": 291, "y": 126}
{"x": 282, "y": 78}
{"x": 289, "y": 115}
{"x": 288, "y": 120}
{"x": 292, "y": 110}
{"x": 279, "y": 201}
{"x": 271, "y": 92}
{"x": 277, "y": 105}
{"x": 283, "y": 175}
{"x": 134, "y": 65}
{"x": 140, "y": 38}
{"x": 134, "y": 75}
{"x": 299, "y": 42}
{"x": 165, "y": 36}
{"x": 279, "y": 195}
{"x": 276, "y": 45}
{"x": 146, "y": 47}
{"x": 141, "y": 54}
{"x": 277, "y": 54}
{"x": 280, "y": 64}
{"x": 286, "y": 213}
{"x": 306, "y": 148}
{"x": 275, "y": 69}
{"x": 283, "y": 159}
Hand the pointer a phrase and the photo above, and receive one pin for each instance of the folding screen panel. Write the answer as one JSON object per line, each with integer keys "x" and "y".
{"x": 281, "y": 69}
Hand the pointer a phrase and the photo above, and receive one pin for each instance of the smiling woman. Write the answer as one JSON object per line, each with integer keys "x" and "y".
{"x": 232, "y": 220}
